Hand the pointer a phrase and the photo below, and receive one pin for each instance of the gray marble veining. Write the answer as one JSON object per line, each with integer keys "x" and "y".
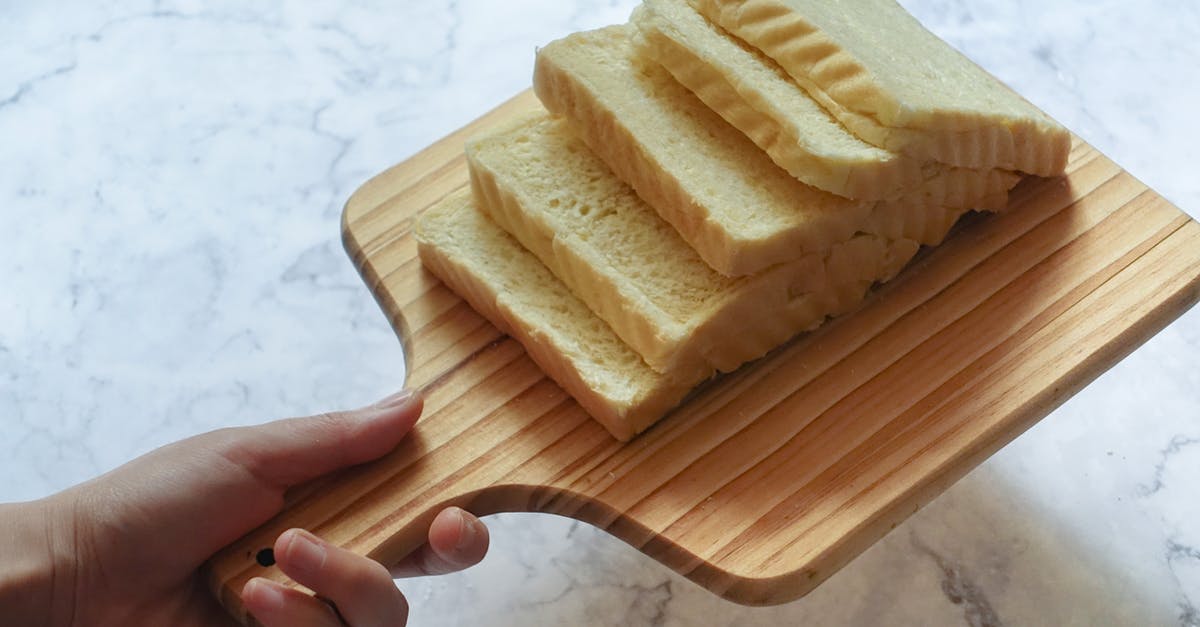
{"x": 171, "y": 177}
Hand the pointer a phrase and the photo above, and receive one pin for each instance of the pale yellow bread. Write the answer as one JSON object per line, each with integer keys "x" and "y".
{"x": 725, "y": 196}
{"x": 758, "y": 98}
{"x": 542, "y": 184}
{"x": 511, "y": 288}
{"x": 895, "y": 84}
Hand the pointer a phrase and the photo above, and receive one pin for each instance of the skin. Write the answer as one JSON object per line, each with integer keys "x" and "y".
{"x": 126, "y": 548}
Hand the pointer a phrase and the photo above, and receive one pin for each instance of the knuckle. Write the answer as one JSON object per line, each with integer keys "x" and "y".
{"x": 232, "y": 445}
{"x": 367, "y": 574}
{"x": 335, "y": 426}
{"x": 331, "y": 422}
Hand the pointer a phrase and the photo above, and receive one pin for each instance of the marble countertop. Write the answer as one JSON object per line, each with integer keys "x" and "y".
{"x": 171, "y": 179}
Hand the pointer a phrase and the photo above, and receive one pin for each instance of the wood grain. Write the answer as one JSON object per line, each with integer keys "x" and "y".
{"x": 767, "y": 481}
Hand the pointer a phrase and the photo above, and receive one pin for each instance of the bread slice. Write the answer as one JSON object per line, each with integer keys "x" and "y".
{"x": 756, "y": 96}
{"x": 512, "y": 289}
{"x": 895, "y": 84}
{"x": 541, "y": 183}
{"x": 724, "y": 195}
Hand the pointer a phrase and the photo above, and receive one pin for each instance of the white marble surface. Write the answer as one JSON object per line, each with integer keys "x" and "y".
{"x": 171, "y": 176}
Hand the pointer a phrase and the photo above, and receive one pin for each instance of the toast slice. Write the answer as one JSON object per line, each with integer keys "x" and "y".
{"x": 724, "y": 195}
{"x": 756, "y": 96}
{"x": 542, "y": 184}
{"x": 895, "y": 84}
{"x": 512, "y": 289}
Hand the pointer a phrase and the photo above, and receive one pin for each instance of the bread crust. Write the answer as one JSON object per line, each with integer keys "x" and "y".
{"x": 913, "y": 114}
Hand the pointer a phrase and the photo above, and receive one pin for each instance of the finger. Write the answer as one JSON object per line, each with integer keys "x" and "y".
{"x": 361, "y": 588}
{"x": 287, "y": 452}
{"x": 457, "y": 540}
{"x": 278, "y": 606}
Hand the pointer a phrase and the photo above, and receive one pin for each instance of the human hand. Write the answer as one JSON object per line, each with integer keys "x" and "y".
{"x": 126, "y": 547}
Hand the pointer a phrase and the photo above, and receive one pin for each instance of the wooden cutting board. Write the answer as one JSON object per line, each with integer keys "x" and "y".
{"x": 767, "y": 481}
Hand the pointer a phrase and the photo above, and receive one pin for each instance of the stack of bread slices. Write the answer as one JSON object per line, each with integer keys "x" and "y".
{"x": 715, "y": 177}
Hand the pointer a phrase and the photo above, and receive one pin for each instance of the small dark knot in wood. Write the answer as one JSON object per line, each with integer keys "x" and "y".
{"x": 265, "y": 557}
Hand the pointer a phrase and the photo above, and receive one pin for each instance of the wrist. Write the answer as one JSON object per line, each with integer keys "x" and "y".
{"x": 37, "y": 569}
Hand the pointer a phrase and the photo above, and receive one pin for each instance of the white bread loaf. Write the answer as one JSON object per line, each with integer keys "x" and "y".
{"x": 615, "y": 303}
{"x": 895, "y": 84}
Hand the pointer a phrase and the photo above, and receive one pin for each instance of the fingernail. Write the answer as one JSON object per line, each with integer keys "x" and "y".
{"x": 395, "y": 400}
{"x": 266, "y": 591}
{"x": 306, "y": 553}
{"x": 467, "y": 531}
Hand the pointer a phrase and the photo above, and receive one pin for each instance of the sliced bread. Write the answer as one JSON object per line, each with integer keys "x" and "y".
{"x": 723, "y": 194}
{"x": 543, "y": 185}
{"x": 511, "y": 288}
{"x": 895, "y": 84}
{"x": 756, "y": 96}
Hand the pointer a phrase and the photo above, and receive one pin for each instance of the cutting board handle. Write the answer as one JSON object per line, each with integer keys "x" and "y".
{"x": 490, "y": 440}
{"x": 346, "y": 509}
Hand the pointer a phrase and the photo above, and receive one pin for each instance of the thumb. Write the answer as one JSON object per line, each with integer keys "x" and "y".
{"x": 284, "y": 453}
{"x": 178, "y": 504}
